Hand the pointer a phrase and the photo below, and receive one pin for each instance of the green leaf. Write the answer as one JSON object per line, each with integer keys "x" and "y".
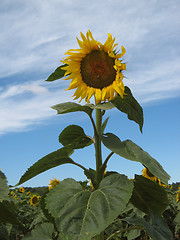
{"x": 104, "y": 124}
{"x": 157, "y": 228}
{"x": 148, "y": 196}
{"x": 130, "y": 106}
{"x": 103, "y": 106}
{"x": 41, "y": 232}
{"x": 132, "y": 234}
{"x": 75, "y": 136}
{"x": 71, "y": 107}
{"x": 57, "y": 74}
{"x": 129, "y": 150}
{"x": 4, "y": 189}
{"x": 7, "y": 212}
{"x": 54, "y": 159}
{"x": 80, "y": 214}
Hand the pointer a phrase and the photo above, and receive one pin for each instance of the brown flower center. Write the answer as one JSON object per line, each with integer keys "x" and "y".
{"x": 149, "y": 173}
{"x": 97, "y": 69}
{"x": 35, "y": 200}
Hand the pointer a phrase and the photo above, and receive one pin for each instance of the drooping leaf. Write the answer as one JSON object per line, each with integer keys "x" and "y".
{"x": 7, "y": 213}
{"x": 129, "y": 150}
{"x": 81, "y": 214}
{"x": 71, "y": 107}
{"x": 130, "y": 106}
{"x": 156, "y": 228}
{"x": 75, "y": 136}
{"x": 150, "y": 194}
{"x": 43, "y": 231}
{"x": 4, "y": 189}
{"x": 54, "y": 159}
{"x": 57, "y": 74}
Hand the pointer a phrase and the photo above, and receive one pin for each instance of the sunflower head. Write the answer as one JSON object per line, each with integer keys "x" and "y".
{"x": 95, "y": 69}
{"x": 53, "y": 183}
{"x": 34, "y": 200}
{"x": 21, "y": 189}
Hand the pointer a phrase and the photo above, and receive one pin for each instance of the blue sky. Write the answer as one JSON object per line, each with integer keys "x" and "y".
{"x": 33, "y": 39}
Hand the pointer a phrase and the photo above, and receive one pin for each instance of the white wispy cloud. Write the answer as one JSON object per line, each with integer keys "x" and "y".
{"x": 35, "y": 34}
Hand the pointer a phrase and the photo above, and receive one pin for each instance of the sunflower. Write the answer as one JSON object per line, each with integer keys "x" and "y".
{"x": 21, "y": 189}
{"x": 53, "y": 183}
{"x": 95, "y": 69}
{"x": 178, "y": 196}
{"x": 29, "y": 193}
{"x": 34, "y": 200}
{"x": 147, "y": 174}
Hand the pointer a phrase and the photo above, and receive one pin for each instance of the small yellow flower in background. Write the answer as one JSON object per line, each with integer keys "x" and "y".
{"x": 178, "y": 196}
{"x": 147, "y": 174}
{"x": 34, "y": 200}
{"x": 95, "y": 69}
{"x": 12, "y": 192}
{"x": 170, "y": 186}
{"x": 53, "y": 183}
{"x": 21, "y": 189}
{"x": 28, "y": 193}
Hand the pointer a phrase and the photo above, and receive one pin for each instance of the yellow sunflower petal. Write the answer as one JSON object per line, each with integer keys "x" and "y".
{"x": 98, "y": 95}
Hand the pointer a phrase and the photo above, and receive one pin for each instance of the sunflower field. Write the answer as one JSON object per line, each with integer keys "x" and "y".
{"x": 108, "y": 205}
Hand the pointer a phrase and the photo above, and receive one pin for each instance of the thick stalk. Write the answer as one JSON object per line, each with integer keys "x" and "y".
{"x": 98, "y": 155}
{"x": 98, "y": 146}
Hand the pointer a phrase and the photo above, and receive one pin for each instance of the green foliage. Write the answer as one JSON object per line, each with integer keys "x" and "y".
{"x": 81, "y": 214}
{"x": 7, "y": 212}
{"x": 75, "y": 136}
{"x": 156, "y": 227}
{"x": 148, "y": 196}
{"x": 104, "y": 124}
{"x": 71, "y": 107}
{"x": 130, "y": 106}
{"x": 129, "y": 150}
{"x": 54, "y": 159}
{"x": 4, "y": 189}
{"x": 41, "y": 232}
{"x": 57, "y": 74}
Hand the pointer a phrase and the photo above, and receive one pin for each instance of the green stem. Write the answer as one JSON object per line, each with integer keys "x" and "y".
{"x": 98, "y": 146}
{"x": 97, "y": 136}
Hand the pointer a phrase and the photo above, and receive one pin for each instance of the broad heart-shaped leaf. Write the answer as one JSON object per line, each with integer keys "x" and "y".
{"x": 4, "y": 189}
{"x": 133, "y": 152}
{"x": 130, "y": 106}
{"x": 75, "y": 136}
{"x": 57, "y": 74}
{"x": 43, "y": 231}
{"x": 71, "y": 107}
{"x": 149, "y": 196}
{"x": 54, "y": 159}
{"x": 80, "y": 214}
{"x": 156, "y": 228}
